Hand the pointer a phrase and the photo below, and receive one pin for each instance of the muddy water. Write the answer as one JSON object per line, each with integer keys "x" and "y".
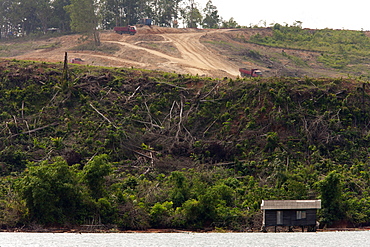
{"x": 327, "y": 239}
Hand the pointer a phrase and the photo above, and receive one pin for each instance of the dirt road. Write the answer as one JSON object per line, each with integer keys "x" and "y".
{"x": 180, "y": 51}
{"x": 213, "y": 53}
{"x": 198, "y": 56}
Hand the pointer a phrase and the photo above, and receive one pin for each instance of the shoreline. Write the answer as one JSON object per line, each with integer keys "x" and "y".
{"x": 114, "y": 230}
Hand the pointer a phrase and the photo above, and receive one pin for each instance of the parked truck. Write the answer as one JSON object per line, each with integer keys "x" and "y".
{"x": 77, "y": 60}
{"x": 128, "y": 29}
{"x": 244, "y": 72}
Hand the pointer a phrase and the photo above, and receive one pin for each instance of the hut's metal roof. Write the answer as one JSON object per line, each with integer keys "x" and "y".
{"x": 290, "y": 204}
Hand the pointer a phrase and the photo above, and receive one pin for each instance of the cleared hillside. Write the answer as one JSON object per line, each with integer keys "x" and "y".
{"x": 138, "y": 149}
{"x": 216, "y": 53}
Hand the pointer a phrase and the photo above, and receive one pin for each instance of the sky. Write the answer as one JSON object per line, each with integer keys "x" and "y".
{"x": 320, "y": 14}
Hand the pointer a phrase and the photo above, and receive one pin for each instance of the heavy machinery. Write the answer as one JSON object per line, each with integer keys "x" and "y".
{"x": 244, "y": 72}
{"x": 128, "y": 29}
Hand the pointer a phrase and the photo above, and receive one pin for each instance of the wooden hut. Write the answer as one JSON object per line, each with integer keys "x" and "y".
{"x": 290, "y": 213}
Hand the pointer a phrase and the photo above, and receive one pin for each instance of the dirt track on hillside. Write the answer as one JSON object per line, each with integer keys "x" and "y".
{"x": 180, "y": 51}
{"x": 213, "y": 53}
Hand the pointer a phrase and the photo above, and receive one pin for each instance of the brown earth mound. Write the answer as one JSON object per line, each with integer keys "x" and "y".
{"x": 168, "y": 49}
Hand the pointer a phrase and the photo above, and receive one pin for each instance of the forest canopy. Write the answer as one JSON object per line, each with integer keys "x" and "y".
{"x": 25, "y": 17}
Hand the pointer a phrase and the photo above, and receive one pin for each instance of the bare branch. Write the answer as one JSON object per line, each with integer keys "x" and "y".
{"x": 183, "y": 88}
{"x": 103, "y": 116}
{"x": 154, "y": 125}
{"x": 133, "y": 94}
{"x": 22, "y": 111}
{"x": 34, "y": 130}
{"x": 110, "y": 89}
{"x": 169, "y": 115}
{"x": 180, "y": 120}
{"x": 204, "y": 132}
{"x": 214, "y": 88}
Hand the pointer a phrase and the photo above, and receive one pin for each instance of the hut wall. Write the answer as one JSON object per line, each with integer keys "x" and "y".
{"x": 289, "y": 218}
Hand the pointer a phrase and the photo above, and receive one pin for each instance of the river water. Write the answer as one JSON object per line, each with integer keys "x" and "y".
{"x": 327, "y": 239}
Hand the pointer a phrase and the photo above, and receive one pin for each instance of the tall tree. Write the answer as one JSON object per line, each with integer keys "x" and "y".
{"x": 60, "y": 18}
{"x": 191, "y": 15}
{"x": 43, "y": 13}
{"x": 121, "y": 12}
{"x": 34, "y": 15}
{"x": 51, "y": 192}
{"x": 26, "y": 16}
{"x": 112, "y": 13}
{"x": 164, "y": 12}
{"x": 231, "y": 23}
{"x": 5, "y": 23}
{"x": 211, "y": 19}
{"x": 131, "y": 12}
{"x": 94, "y": 174}
{"x": 84, "y": 18}
{"x": 18, "y": 18}
{"x": 331, "y": 195}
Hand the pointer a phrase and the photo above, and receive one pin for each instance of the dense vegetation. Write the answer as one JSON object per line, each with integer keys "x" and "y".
{"x": 135, "y": 149}
{"x": 25, "y": 17}
{"x": 340, "y": 49}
